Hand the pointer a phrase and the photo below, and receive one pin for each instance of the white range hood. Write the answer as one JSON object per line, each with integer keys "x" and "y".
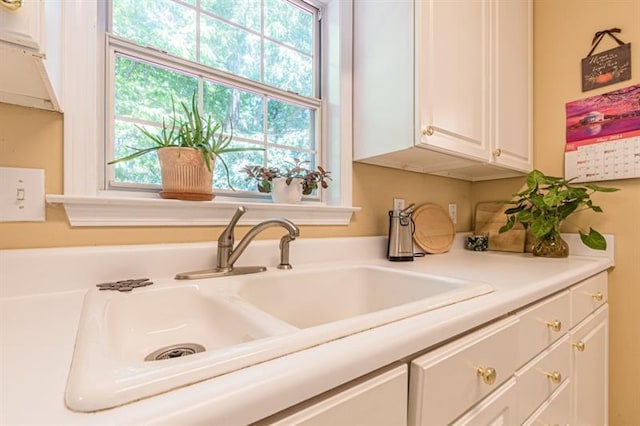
{"x": 25, "y": 80}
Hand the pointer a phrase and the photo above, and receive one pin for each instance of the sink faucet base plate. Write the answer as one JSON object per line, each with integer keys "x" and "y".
{"x": 218, "y": 272}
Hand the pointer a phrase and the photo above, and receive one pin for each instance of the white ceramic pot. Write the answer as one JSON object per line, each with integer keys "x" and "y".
{"x": 286, "y": 194}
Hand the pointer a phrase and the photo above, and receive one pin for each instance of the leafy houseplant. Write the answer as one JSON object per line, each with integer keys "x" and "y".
{"x": 187, "y": 149}
{"x": 296, "y": 172}
{"x": 545, "y": 204}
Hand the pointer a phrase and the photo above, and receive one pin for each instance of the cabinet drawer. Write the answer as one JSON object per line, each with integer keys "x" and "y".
{"x": 542, "y": 324}
{"x": 496, "y": 409}
{"x": 556, "y": 410}
{"x": 447, "y": 381}
{"x": 542, "y": 376}
{"x": 588, "y": 296}
{"x": 378, "y": 400}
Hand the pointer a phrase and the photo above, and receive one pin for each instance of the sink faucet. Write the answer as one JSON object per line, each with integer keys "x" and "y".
{"x": 227, "y": 255}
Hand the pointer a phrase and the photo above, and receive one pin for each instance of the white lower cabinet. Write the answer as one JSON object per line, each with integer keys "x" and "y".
{"x": 378, "y": 400}
{"x": 590, "y": 363}
{"x": 551, "y": 355}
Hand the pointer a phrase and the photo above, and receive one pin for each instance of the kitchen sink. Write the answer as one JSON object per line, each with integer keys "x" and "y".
{"x": 306, "y": 299}
{"x": 135, "y": 344}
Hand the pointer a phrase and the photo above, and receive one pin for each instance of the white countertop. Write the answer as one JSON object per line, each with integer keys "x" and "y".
{"x": 40, "y": 308}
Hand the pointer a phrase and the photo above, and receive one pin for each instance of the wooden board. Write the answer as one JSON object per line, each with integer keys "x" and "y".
{"x": 434, "y": 232}
{"x": 489, "y": 218}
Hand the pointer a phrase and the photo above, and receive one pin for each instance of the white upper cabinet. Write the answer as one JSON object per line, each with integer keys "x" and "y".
{"x": 30, "y": 52}
{"x": 444, "y": 87}
{"x": 21, "y": 22}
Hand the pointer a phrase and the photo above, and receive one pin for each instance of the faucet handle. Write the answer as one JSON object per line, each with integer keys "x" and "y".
{"x": 227, "y": 238}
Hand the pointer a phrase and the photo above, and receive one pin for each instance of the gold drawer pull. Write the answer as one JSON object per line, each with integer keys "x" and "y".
{"x": 11, "y": 4}
{"x": 555, "y": 325}
{"x": 597, "y": 296}
{"x": 579, "y": 346}
{"x": 488, "y": 375}
{"x": 555, "y": 377}
{"x": 428, "y": 131}
{"x": 497, "y": 152}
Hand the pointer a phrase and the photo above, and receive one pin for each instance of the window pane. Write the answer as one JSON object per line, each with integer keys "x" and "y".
{"x": 235, "y": 161}
{"x": 287, "y": 69}
{"x": 242, "y": 12}
{"x": 144, "y": 169}
{"x": 229, "y": 48}
{"x": 162, "y": 24}
{"x": 291, "y": 125}
{"x": 243, "y": 109}
{"x": 289, "y": 24}
{"x": 144, "y": 91}
{"x": 285, "y": 159}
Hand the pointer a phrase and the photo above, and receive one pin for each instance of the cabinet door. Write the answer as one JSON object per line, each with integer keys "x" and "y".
{"x": 23, "y": 26}
{"x": 511, "y": 133}
{"x": 379, "y": 400}
{"x": 452, "y": 77}
{"x": 590, "y": 359}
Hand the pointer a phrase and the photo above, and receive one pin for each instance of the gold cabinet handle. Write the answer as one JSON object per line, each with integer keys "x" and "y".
{"x": 579, "y": 346}
{"x": 554, "y": 325}
{"x": 428, "y": 131}
{"x": 488, "y": 375}
{"x": 597, "y": 296}
{"x": 11, "y": 4}
{"x": 497, "y": 152}
{"x": 555, "y": 377}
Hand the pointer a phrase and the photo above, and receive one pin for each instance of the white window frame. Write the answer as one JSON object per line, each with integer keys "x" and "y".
{"x": 83, "y": 102}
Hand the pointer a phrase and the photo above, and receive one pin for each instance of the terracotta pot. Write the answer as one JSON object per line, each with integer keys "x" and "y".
{"x": 286, "y": 194}
{"x": 185, "y": 175}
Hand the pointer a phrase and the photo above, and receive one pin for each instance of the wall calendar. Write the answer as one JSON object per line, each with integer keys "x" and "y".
{"x": 603, "y": 136}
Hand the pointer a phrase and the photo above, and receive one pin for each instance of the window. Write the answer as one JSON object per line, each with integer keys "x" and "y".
{"x": 88, "y": 201}
{"x": 253, "y": 65}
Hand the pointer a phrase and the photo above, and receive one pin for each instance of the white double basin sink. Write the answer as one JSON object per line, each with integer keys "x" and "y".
{"x": 133, "y": 345}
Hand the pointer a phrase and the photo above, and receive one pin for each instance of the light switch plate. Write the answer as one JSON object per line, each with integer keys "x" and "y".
{"x": 21, "y": 195}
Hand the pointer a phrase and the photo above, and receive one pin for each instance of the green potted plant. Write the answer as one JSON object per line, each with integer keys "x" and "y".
{"x": 291, "y": 183}
{"x": 545, "y": 203}
{"x": 187, "y": 150}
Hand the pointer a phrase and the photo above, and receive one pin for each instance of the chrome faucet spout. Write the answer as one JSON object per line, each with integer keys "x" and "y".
{"x": 253, "y": 232}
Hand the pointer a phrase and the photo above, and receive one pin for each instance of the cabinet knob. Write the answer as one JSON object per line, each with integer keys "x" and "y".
{"x": 497, "y": 152}
{"x": 554, "y": 325}
{"x": 11, "y": 4}
{"x": 579, "y": 346}
{"x": 488, "y": 375}
{"x": 428, "y": 131}
{"x": 555, "y": 377}
{"x": 597, "y": 296}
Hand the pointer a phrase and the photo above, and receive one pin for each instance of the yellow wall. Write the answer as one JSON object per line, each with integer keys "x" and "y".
{"x": 33, "y": 139}
{"x": 563, "y": 31}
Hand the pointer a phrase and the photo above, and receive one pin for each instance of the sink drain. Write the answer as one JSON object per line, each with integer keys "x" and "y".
{"x": 175, "y": 351}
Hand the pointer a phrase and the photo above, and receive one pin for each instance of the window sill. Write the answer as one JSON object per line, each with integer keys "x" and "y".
{"x": 126, "y": 211}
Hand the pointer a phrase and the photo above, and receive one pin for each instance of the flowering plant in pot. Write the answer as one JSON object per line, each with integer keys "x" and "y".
{"x": 289, "y": 184}
{"x": 187, "y": 149}
{"x": 545, "y": 203}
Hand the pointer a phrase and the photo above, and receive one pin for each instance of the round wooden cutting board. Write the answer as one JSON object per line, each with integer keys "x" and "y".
{"x": 434, "y": 232}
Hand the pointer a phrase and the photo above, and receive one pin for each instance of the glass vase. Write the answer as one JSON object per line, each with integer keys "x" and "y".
{"x": 551, "y": 245}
